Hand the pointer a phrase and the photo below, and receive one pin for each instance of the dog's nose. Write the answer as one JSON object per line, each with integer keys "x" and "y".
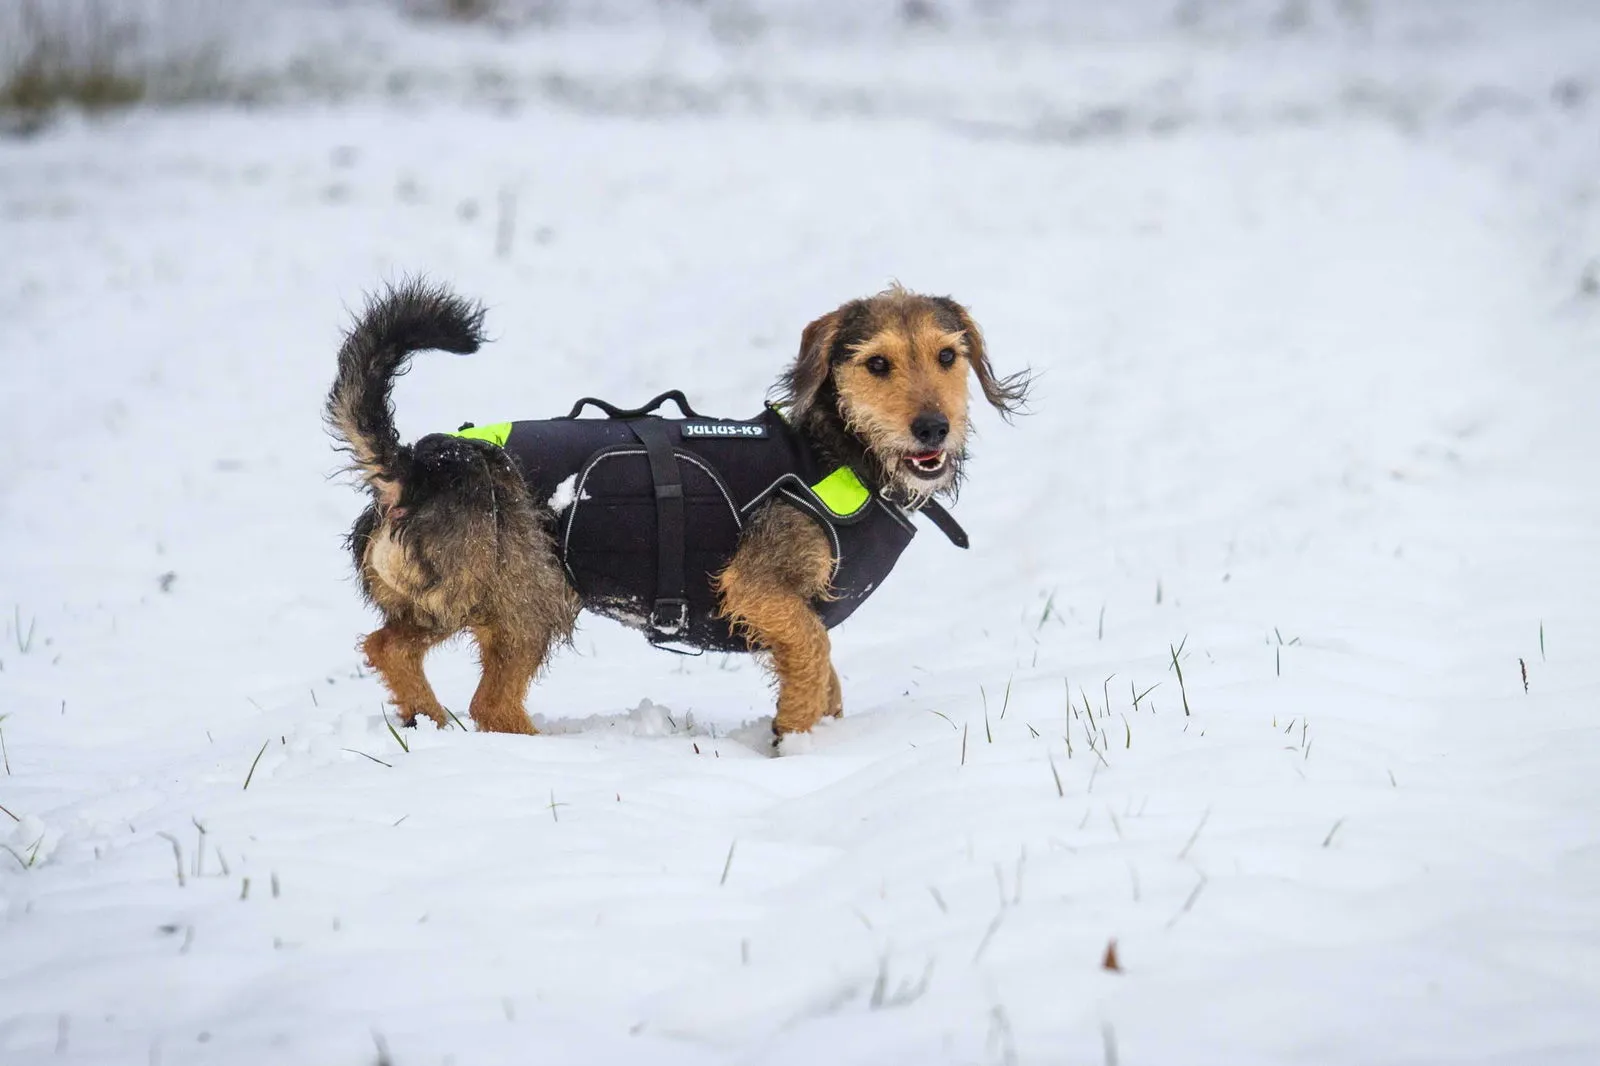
{"x": 930, "y": 428}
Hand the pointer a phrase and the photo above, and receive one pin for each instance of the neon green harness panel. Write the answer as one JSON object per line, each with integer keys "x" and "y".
{"x": 495, "y": 434}
{"x": 843, "y": 492}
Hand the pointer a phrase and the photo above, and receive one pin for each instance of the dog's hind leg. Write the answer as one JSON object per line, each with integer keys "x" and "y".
{"x": 396, "y": 651}
{"x": 510, "y": 661}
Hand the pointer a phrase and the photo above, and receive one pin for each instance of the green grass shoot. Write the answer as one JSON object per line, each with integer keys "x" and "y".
{"x": 1178, "y": 667}
{"x": 393, "y": 732}
{"x": 254, "y": 761}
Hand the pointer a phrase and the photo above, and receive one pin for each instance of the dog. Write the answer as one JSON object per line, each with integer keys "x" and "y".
{"x": 456, "y": 540}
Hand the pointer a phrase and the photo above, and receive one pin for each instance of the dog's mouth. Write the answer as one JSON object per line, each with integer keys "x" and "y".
{"x": 926, "y": 464}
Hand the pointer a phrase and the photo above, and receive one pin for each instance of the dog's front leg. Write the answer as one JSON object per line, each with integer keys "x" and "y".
{"x": 786, "y": 626}
{"x": 782, "y": 565}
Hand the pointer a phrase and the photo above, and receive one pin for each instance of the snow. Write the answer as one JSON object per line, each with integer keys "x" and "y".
{"x": 1314, "y": 416}
{"x": 565, "y": 494}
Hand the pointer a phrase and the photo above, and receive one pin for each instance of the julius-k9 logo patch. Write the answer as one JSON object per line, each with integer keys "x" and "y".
{"x": 748, "y": 430}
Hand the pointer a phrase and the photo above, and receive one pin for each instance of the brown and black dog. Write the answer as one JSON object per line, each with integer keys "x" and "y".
{"x": 454, "y": 541}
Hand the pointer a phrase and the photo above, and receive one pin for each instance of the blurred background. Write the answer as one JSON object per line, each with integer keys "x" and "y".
{"x": 1255, "y": 248}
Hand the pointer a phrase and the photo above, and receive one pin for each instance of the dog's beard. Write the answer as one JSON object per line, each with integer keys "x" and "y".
{"x": 901, "y": 463}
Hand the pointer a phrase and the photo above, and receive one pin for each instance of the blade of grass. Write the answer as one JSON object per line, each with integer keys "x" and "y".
{"x": 393, "y": 732}
{"x": 1049, "y": 604}
{"x": 988, "y": 935}
{"x": 1188, "y": 903}
{"x": 1196, "y": 834}
{"x": 177, "y": 855}
{"x": 199, "y": 847}
{"x": 364, "y": 755}
{"x": 253, "y": 762}
{"x": 24, "y": 645}
{"x": 1177, "y": 666}
{"x": 1098, "y": 754}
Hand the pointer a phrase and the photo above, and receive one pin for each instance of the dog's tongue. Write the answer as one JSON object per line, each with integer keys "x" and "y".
{"x": 925, "y": 457}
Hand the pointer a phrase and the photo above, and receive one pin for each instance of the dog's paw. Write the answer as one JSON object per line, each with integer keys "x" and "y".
{"x": 792, "y": 743}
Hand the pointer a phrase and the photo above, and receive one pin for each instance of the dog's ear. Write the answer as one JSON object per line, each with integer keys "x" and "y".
{"x": 1007, "y": 394}
{"x": 802, "y": 381}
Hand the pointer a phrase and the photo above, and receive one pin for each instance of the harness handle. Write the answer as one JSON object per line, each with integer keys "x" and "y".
{"x": 613, "y": 411}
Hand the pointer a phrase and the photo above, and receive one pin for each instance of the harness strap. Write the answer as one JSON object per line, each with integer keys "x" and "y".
{"x": 843, "y": 493}
{"x": 946, "y": 523}
{"x": 613, "y": 411}
{"x": 670, "y": 612}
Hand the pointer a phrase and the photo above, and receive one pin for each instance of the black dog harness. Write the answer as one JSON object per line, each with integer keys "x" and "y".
{"x": 649, "y": 509}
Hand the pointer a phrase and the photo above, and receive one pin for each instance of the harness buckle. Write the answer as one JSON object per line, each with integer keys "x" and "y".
{"x": 661, "y": 620}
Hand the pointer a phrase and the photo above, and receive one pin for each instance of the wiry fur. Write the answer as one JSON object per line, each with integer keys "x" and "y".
{"x": 452, "y": 540}
{"x": 411, "y": 317}
{"x": 863, "y": 422}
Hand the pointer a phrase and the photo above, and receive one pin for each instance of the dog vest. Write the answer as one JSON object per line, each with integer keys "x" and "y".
{"x": 649, "y": 509}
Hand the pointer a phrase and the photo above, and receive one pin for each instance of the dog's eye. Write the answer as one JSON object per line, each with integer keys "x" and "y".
{"x": 947, "y": 357}
{"x": 878, "y": 365}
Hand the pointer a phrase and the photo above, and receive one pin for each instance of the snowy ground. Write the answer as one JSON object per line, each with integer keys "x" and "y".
{"x": 1316, "y": 405}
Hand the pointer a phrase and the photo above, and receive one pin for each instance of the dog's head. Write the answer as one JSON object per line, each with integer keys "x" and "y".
{"x": 883, "y": 382}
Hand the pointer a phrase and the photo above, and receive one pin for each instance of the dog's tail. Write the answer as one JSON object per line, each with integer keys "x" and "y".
{"x": 410, "y": 317}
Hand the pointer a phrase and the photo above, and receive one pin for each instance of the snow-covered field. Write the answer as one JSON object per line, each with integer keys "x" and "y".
{"x": 1315, "y": 322}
